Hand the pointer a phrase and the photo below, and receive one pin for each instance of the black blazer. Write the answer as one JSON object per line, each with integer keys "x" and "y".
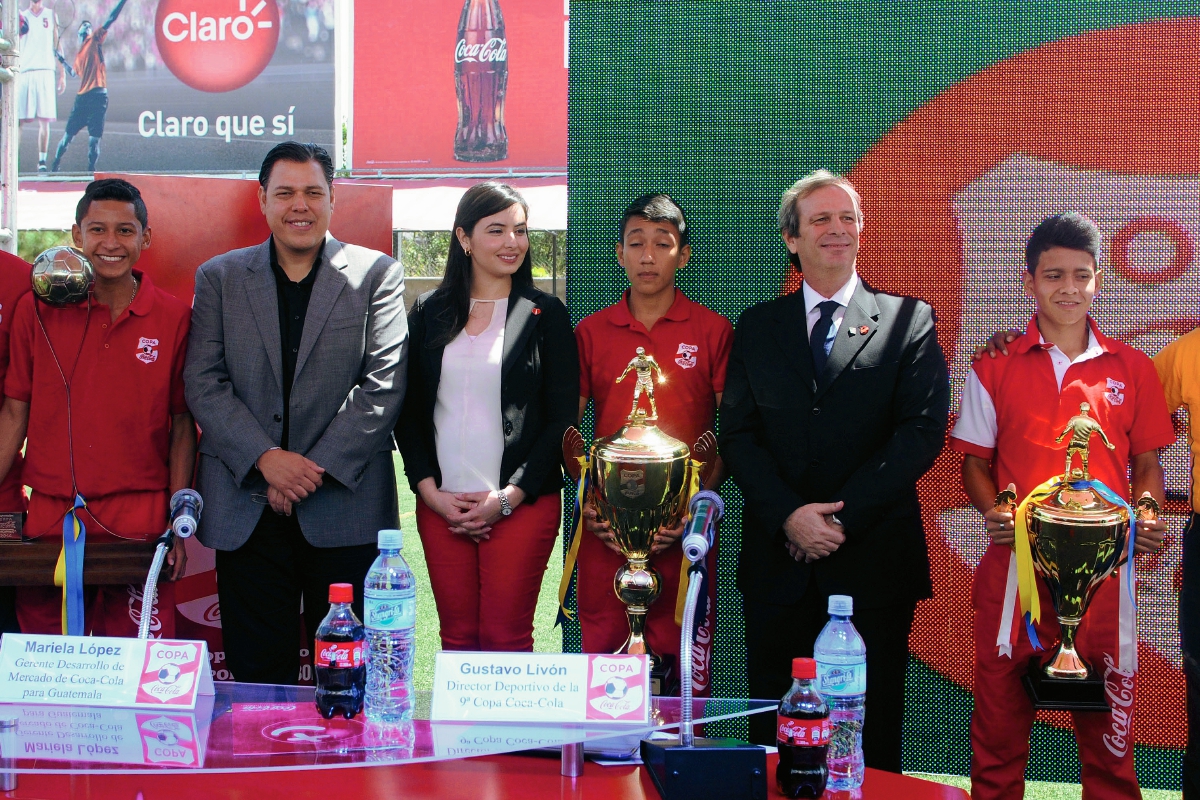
{"x": 863, "y": 432}
{"x": 539, "y": 390}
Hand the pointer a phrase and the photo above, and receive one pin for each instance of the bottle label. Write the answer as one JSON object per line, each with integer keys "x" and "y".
{"x": 841, "y": 680}
{"x": 803, "y": 732}
{"x": 390, "y": 609}
{"x": 339, "y": 655}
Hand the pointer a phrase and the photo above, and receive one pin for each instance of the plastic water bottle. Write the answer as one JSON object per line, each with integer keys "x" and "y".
{"x": 842, "y": 680}
{"x": 390, "y": 617}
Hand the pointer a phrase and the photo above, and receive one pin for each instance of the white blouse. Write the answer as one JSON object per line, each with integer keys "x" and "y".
{"x": 467, "y": 426}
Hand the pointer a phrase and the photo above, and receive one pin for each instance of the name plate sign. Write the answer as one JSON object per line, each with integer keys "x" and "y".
{"x": 102, "y": 671}
{"x": 541, "y": 687}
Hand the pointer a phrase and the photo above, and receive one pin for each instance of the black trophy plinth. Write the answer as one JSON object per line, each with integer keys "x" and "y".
{"x": 720, "y": 769}
{"x": 1063, "y": 694}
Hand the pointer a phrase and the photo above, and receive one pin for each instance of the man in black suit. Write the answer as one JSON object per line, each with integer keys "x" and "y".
{"x": 835, "y": 404}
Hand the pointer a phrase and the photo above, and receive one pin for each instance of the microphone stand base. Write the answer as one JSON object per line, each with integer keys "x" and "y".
{"x": 721, "y": 769}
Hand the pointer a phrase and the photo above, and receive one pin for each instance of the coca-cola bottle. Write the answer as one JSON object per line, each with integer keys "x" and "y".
{"x": 481, "y": 81}
{"x": 339, "y": 658}
{"x": 802, "y": 735}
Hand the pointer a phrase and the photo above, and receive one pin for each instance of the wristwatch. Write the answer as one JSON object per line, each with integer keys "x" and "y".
{"x": 505, "y": 508}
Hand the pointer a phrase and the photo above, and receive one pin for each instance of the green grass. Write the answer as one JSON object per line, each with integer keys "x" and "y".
{"x": 548, "y": 639}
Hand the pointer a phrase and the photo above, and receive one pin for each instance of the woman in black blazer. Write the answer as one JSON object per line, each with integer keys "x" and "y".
{"x": 493, "y": 383}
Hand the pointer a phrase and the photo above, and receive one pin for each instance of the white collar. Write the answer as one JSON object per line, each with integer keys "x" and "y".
{"x": 1093, "y": 349}
{"x": 842, "y": 296}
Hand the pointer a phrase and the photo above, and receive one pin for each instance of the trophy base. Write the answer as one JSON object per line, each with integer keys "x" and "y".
{"x": 1063, "y": 694}
{"x": 723, "y": 769}
{"x": 663, "y": 681}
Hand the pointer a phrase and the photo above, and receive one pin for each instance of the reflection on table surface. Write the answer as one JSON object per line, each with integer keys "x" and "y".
{"x": 255, "y": 727}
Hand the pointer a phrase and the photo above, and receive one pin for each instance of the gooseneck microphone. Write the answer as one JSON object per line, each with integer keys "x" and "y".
{"x": 186, "y": 506}
{"x": 706, "y": 510}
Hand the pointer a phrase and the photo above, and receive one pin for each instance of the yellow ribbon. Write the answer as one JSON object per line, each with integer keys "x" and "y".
{"x": 564, "y": 583}
{"x": 693, "y": 486}
{"x": 1027, "y": 590}
{"x": 60, "y": 577}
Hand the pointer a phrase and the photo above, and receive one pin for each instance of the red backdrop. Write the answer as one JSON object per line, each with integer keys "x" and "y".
{"x": 405, "y": 107}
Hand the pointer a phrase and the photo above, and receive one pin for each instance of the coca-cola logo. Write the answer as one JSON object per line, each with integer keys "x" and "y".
{"x": 216, "y": 45}
{"x": 494, "y": 49}
{"x": 702, "y": 654}
{"x": 338, "y": 654}
{"x": 1118, "y": 685}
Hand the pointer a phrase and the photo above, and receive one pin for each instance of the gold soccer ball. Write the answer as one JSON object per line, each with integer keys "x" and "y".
{"x": 62, "y": 276}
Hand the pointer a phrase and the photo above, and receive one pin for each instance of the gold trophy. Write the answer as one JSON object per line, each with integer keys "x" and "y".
{"x": 1078, "y": 530}
{"x": 638, "y": 482}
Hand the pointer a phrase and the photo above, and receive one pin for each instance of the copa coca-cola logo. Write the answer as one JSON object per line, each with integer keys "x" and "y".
{"x": 216, "y": 45}
{"x": 494, "y": 49}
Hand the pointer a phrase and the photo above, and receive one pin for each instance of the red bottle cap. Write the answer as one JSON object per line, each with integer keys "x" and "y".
{"x": 804, "y": 668}
{"x": 341, "y": 593}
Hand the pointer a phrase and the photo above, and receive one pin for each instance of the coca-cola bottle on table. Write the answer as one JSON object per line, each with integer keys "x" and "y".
{"x": 339, "y": 658}
{"x": 481, "y": 81}
{"x": 803, "y": 733}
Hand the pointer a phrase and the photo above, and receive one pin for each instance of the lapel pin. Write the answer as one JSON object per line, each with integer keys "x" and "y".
{"x": 863, "y": 330}
{"x": 536, "y": 311}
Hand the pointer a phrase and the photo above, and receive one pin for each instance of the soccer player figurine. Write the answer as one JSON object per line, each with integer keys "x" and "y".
{"x": 91, "y": 101}
{"x": 1082, "y": 428}
{"x": 39, "y": 65}
{"x": 644, "y": 366}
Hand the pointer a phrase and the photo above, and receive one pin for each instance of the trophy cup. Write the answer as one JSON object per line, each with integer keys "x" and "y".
{"x": 1078, "y": 532}
{"x": 638, "y": 481}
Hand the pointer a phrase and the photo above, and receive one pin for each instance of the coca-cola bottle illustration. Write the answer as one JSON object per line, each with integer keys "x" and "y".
{"x": 481, "y": 80}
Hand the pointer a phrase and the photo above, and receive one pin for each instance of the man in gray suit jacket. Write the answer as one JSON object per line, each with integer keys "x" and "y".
{"x": 295, "y": 374}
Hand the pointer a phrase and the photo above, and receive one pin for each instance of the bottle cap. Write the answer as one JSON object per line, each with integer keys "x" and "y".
{"x": 341, "y": 593}
{"x": 391, "y": 539}
{"x": 841, "y": 605}
{"x": 804, "y": 668}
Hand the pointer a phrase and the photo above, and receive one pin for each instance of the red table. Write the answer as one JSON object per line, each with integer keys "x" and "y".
{"x": 484, "y": 778}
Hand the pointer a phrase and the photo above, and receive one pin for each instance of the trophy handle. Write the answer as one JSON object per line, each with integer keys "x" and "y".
{"x": 1147, "y": 508}
{"x": 1006, "y": 501}
{"x": 572, "y": 450}
{"x": 705, "y": 452}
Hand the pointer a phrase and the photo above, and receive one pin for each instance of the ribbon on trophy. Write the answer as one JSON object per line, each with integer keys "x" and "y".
{"x": 68, "y": 572}
{"x": 693, "y": 486}
{"x": 564, "y": 584}
{"x": 1022, "y": 598}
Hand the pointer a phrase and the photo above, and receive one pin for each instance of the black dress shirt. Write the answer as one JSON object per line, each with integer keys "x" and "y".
{"x": 293, "y": 299}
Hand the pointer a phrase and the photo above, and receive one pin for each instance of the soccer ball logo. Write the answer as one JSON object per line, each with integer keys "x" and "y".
{"x": 62, "y": 276}
{"x": 616, "y": 688}
{"x": 168, "y": 674}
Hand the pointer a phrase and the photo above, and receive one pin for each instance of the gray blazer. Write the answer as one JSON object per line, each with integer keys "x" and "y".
{"x": 345, "y": 397}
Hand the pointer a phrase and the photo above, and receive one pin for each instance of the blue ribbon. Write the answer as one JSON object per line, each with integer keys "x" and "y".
{"x": 74, "y": 539}
{"x": 1114, "y": 498}
{"x": 570, "y": 590}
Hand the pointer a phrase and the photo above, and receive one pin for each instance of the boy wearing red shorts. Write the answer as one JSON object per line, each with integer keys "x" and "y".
{"x": 1012, "y": 411}
{"x": 691, "y": 346}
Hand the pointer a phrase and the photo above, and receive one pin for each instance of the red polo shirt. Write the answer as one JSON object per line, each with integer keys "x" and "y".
{"x": 126, "y": 383}
{"x": 14, "y": 282}
{"x": 1028, "y": 410}
{"x": 691, "y": 344}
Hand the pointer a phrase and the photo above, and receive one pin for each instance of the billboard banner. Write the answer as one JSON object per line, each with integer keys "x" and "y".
{"x": 471, "y": 86}
{"x": 172, "y": 85}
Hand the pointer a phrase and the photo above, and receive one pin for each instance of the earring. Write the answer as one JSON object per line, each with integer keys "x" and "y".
{"x": 468, "y": 252}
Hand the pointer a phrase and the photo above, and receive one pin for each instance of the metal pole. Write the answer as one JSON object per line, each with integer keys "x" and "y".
{"x": 572, "y": 760}
{"x": 343, "y": 84}
{"x": 9, "y": 129}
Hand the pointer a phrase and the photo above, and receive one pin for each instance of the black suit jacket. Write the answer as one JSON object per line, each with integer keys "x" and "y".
{"x": 864, "y": 431}
{"x": 539, "y": 390}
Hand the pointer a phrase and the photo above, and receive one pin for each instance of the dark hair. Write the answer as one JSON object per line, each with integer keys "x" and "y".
{"x": 299, "y": 153}
{"x": 1070, "y": 230}
{"x": 656, "y": 208}
{"x": 112, "y": 189}
{"x": 481, "y": 200}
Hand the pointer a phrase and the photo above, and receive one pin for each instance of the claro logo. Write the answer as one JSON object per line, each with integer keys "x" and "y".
{"x": 217, "y": 45}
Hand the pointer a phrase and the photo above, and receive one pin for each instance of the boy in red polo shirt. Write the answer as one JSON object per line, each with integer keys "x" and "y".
{"x": 1012, "y": 411}
{"x": 691, "y": 346}
{"x": 122, "y": 437}
{"x": 14, "y": 282}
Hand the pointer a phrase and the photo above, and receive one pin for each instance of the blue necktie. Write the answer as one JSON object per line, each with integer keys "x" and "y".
{"x": 820, "y": 341}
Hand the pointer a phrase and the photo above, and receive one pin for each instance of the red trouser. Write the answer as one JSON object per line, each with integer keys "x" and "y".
{"x": 1003, "y": 716}
{"x": 602, "y": 620}
{"x": 486, "y": 592}
{"x": 110, "y": 610}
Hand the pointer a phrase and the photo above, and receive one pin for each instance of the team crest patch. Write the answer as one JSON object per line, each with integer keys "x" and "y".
{"x": 633, "y": 483}
{"x": 1114, "y": 395}
{"x": 686, "y": 355}
{"x": 147, "y": 351}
